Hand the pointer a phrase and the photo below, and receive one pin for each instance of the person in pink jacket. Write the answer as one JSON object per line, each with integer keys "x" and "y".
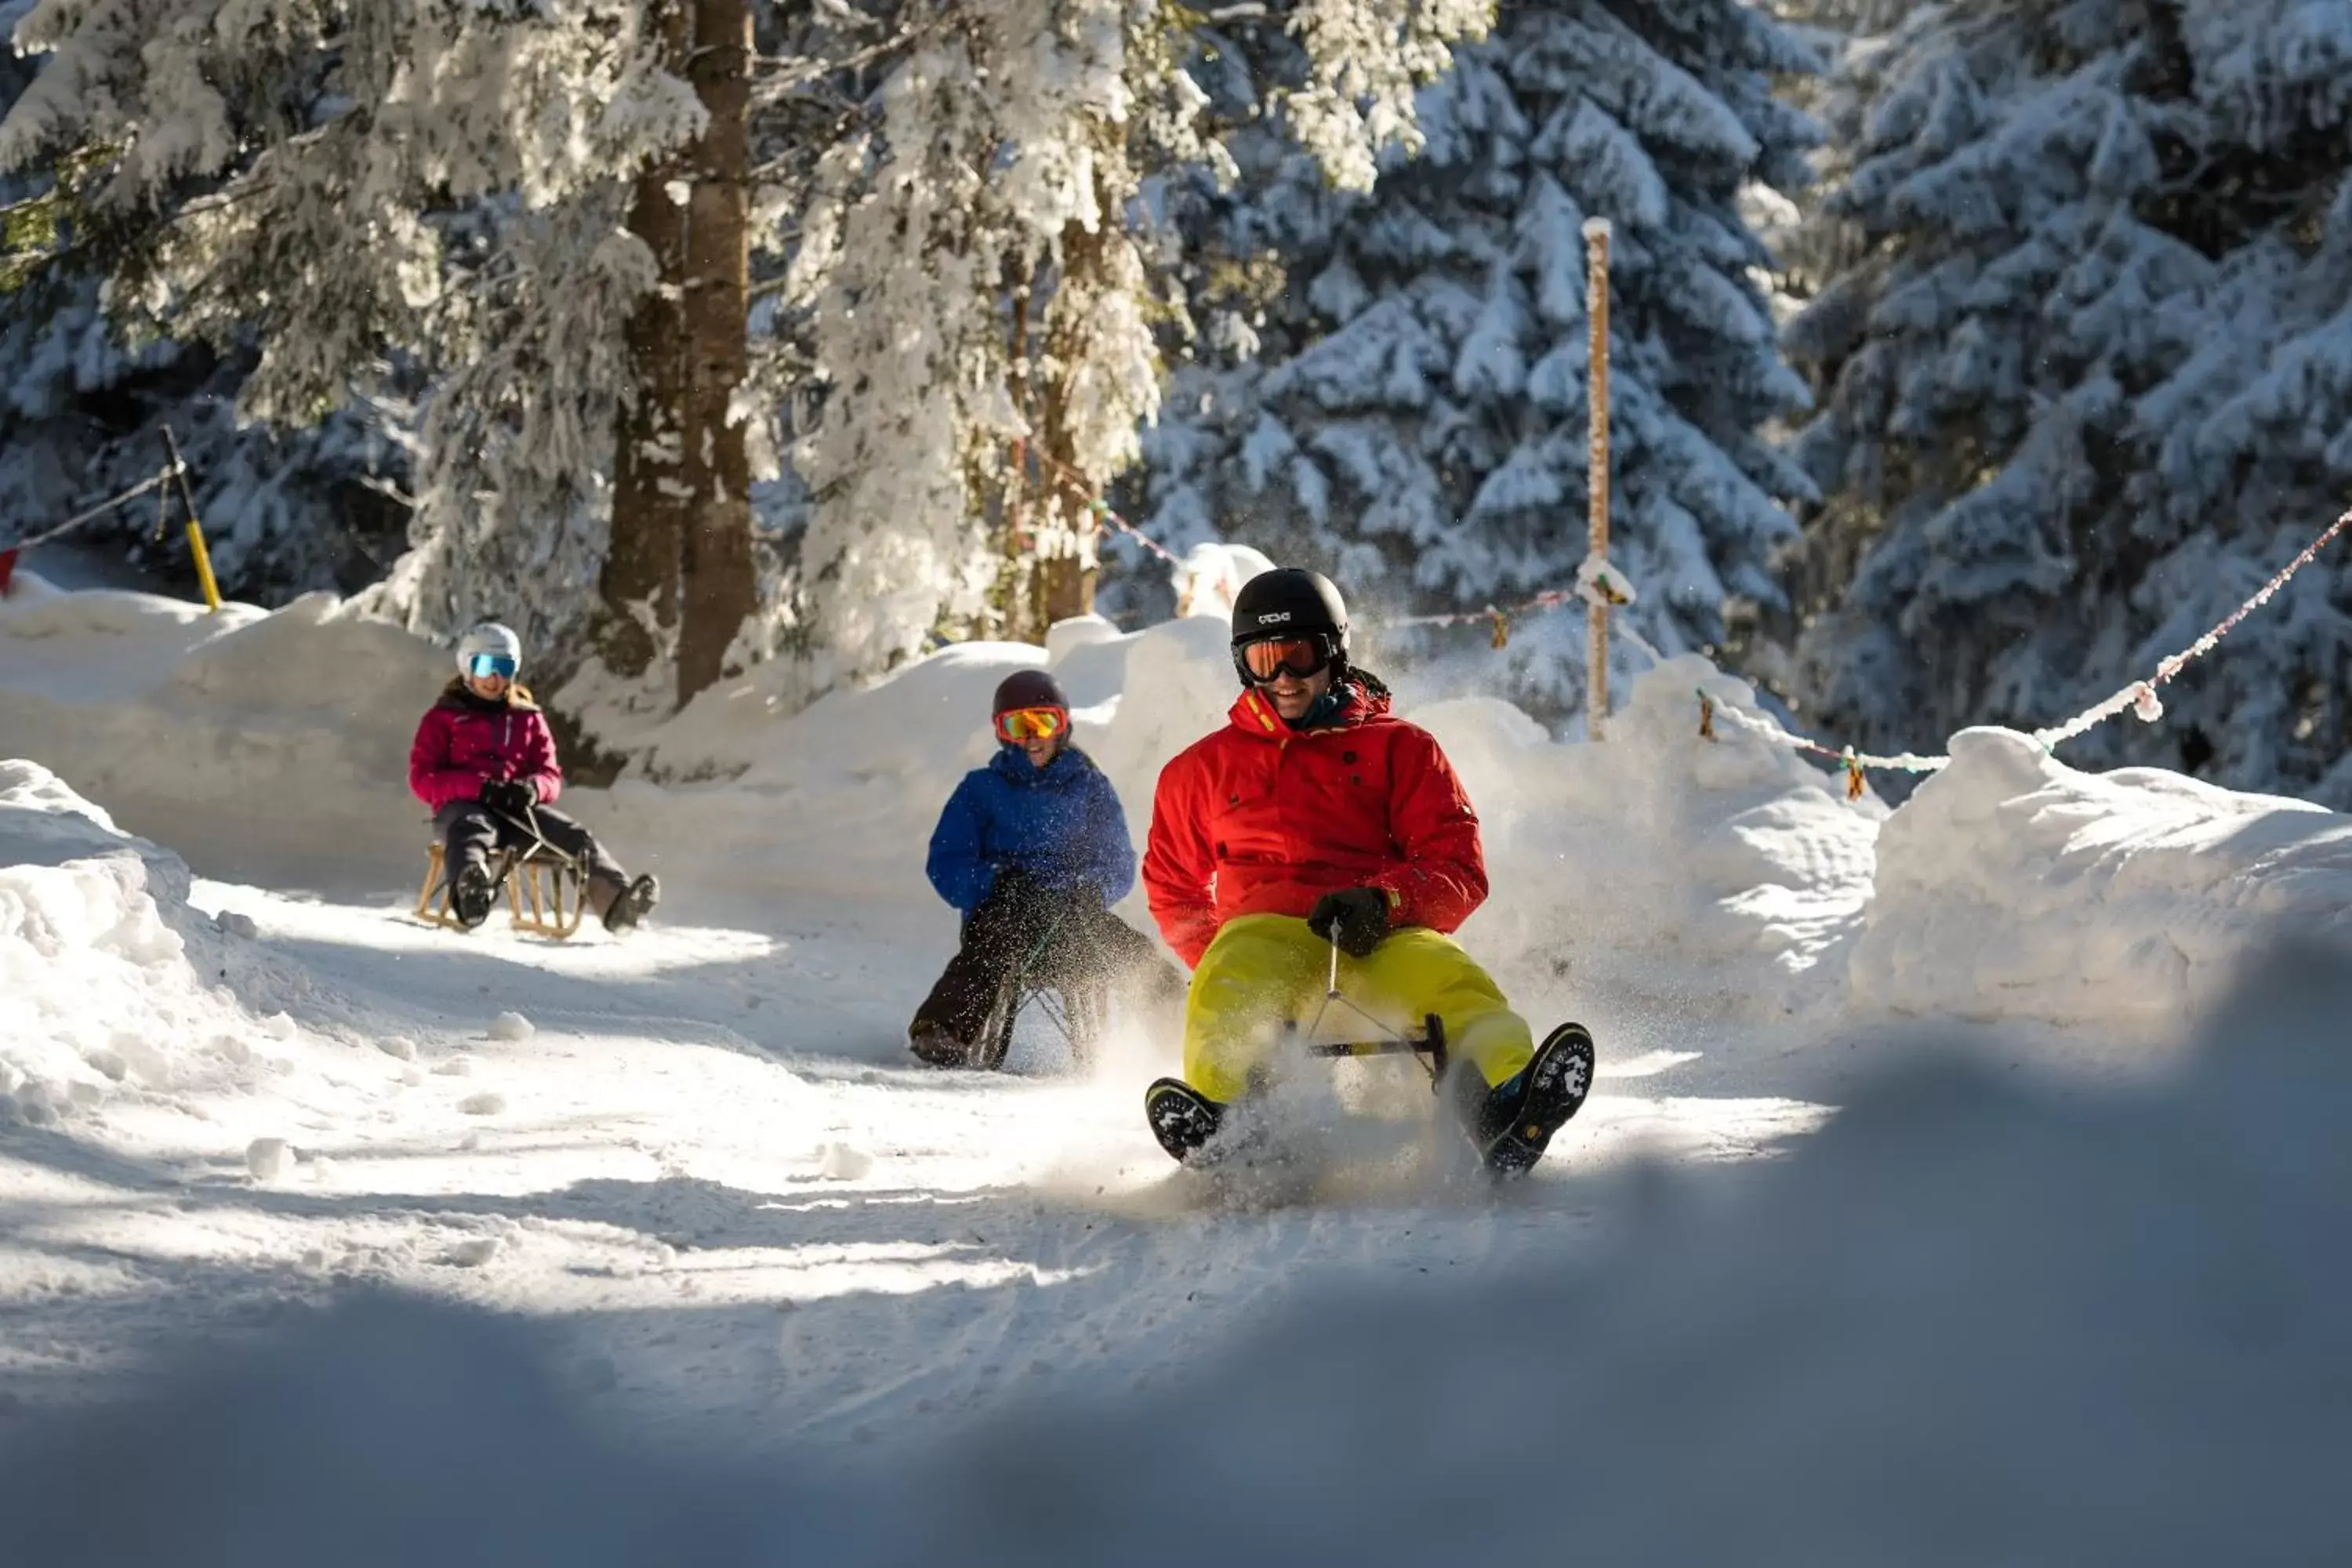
{"x": 484, "y": 761}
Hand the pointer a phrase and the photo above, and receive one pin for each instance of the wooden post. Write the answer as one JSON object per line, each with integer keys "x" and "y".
{"x": 1596, "y": 611}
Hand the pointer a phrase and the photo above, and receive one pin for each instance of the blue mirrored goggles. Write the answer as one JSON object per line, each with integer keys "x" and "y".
{"x": 501, "y": 665}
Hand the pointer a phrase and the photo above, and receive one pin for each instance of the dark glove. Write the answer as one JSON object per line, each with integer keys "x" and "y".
{"x": 1355, "y": 918}
{"x": 513, "y": 796}
{"x": 1012, "y": 888}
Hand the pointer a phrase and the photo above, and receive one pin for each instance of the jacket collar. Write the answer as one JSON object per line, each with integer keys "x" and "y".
{"x": 1364, "y": 698}
{"x": 460, "y": 696}
{"x": 1067, "y": 764}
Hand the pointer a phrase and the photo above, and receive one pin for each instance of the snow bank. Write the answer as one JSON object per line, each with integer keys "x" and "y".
{"x": 1965, "y": 1324}
{"x": 2012, "y": 886}
{"x": 1659, "y": 862}
{"x": 252, "y": 742}
{"x": 835, "y": 801}
{"x": 1656, "y": 871}
{"x": 97, "y": 994}
{"x": 232, "y": 1471}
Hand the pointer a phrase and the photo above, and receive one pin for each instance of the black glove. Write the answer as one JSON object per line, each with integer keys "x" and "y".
{"x": 1355, "y": 918}
{"x": 513, "y": 796}
{"x": 1012, "y": 889}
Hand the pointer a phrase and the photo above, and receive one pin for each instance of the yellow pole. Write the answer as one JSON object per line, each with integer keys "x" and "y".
{"x": 1596, "y": 311}
{"x": 196, "y": 551}
{"x": 204, "y": 561}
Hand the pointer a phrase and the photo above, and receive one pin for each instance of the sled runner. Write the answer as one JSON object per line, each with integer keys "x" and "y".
{"x": 544, "y": 889}
{"x": 1076, "y": 1005}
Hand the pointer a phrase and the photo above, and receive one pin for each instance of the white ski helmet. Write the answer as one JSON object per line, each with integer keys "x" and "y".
{"x": 490, "y": 638}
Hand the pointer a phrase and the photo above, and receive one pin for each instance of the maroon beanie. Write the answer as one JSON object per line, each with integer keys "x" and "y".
{"x": 1028, "y": 688}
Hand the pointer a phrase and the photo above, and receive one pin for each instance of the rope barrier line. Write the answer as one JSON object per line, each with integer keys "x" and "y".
{"x": 1597, "y": 582}
{"x": 1710, "y": 714}
{"x": 171, "y": 472}
{"x": 1497, "y": 616}
{"x": 174, "y": 475}
{"x": 1102, "y": 510}
{"x": 1602, "y": 586}
{"x": 2140, "y": 695}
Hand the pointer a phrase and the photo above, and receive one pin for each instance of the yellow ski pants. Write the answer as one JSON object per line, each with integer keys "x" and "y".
{"x": 1262, "y": 971}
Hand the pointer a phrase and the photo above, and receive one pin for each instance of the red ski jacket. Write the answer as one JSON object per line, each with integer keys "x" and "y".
{"x": 463, "y": 742}
{"x": 1259, "y": 818}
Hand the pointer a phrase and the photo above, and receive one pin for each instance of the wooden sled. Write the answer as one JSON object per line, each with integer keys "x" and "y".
{"x": 546, "y": 895}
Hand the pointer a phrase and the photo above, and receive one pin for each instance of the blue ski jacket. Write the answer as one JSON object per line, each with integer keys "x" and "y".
{"x": 1060, "y": 825}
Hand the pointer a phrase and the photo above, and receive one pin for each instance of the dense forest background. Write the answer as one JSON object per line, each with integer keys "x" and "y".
{"x": 1966, "y": 358}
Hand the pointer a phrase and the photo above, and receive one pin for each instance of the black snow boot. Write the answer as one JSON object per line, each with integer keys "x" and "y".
{"x": 471, "y": 894}
{"x": 936, "y": 1044}
{"x": 1511, "y": 1124}
{"x": 1182, "y": 1118}
{"x": 632, "y": 904}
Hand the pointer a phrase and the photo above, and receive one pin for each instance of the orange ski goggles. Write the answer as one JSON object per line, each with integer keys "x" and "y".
{"x": 1019, "y": 724}
{"x": 1270, "y": 659}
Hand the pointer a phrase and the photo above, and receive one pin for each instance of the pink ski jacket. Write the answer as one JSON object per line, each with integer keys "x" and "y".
{"x": 463, "y": 742}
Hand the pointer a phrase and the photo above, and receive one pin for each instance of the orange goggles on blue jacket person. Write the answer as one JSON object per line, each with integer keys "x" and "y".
{"x": 1031, "y": 724}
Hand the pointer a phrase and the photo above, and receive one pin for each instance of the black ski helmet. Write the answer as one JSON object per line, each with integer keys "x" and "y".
{"x": 1028, "y": 688}
{"x": 1291, "y": 601}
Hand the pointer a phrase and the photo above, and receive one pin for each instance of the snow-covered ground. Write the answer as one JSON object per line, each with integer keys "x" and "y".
{"x": 696, "y": 1173}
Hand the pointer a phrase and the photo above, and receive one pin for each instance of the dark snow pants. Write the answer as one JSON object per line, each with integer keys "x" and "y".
{"x": 1056, "y": 939}
{"x": 472, "y": 831}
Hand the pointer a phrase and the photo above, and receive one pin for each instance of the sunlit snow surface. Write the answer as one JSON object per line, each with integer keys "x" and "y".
{"x": 2073, "y": 1302}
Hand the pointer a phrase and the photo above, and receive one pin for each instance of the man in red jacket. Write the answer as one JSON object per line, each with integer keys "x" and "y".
{"x": 484, "y": 761}
{"x": 1316, "y": 819}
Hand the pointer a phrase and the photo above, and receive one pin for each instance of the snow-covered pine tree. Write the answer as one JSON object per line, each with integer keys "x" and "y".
{"x": 449, "y": 179}
{"x": 81, "y": 417}
{"x": 2087, "y": 374}
{"x": 334, "y": 184}
{"x": 984, "y": 305}
{"x": 1848, "y": 18}
{"x": 1419, "y": 427}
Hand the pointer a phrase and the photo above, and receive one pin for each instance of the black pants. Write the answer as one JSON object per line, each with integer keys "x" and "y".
{"x": 472, "y": 831}
{"x": 1063, "y": 939}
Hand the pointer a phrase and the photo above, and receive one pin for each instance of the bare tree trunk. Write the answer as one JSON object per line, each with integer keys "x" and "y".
{"x": 681, "y": 539}
{"x": 1019, "y": 566}
{"x": 650, "y": 509}
{"x": 1066, "y": 582}
{"x": 719, "y": 590}
{"x": 1067, "y": 578}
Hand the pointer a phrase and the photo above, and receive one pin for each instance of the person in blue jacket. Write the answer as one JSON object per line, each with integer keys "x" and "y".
{"x": 1032, "y": 848}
